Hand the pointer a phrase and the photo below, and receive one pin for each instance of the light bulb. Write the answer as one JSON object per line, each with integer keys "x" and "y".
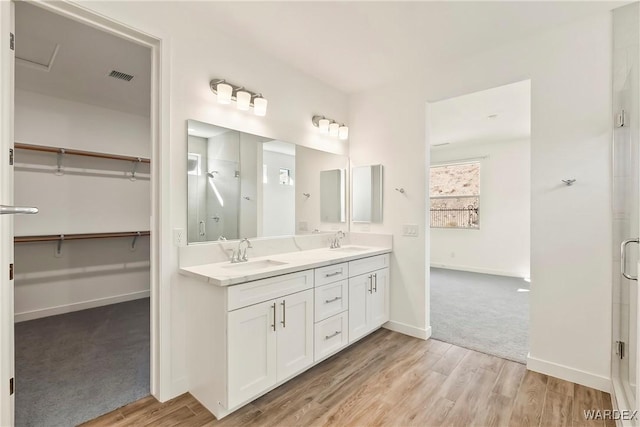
{"x": 333, "y": 129}
{"x": 224, "y": 93}
{"x": 243, "y": 99}
{"x": 323, "y": 125}
{"x": 260, "y": 106}
{"x": 343, "y": 132}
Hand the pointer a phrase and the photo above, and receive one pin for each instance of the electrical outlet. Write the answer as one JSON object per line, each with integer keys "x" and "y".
{"x": 178, "y": 237}
{"x": 410, "y": 230}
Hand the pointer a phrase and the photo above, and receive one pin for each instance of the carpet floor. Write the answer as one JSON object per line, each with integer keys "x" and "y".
{"x": 74, "y": 367}
{"x": 481, "y": 312}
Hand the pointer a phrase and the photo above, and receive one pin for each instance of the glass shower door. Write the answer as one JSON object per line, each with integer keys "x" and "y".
{"x": 626, "y": 206}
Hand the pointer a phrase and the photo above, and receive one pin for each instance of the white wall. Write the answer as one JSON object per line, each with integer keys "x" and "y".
{"x": 93, "y": 195}
{"x": 501, "y": 245}
{"x": 278, "y": 205}
{"x": 570, "y": 72}
{"x": 198, "y": 53}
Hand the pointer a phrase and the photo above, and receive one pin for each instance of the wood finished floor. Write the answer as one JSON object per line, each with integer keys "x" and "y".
{"x": 389, "y": 379}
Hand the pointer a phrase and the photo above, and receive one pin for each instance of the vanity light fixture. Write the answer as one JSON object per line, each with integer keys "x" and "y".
{"x": 330, "y": 127}
{"x": 245, "y": 99}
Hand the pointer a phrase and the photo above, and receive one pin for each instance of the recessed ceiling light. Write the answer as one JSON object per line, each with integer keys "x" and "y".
{"x": 492, "y": 116}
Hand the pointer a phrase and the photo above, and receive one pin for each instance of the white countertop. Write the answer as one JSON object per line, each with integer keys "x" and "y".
{"x": 225, "y": 273}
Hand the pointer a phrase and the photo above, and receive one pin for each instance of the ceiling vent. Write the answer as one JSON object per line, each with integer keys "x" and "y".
{"x": 120, "y": 75}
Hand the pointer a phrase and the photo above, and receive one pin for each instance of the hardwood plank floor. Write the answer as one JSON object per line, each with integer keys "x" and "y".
{"x": 389, "y": 379}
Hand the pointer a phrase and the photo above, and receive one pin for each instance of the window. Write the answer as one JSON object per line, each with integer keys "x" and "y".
{"x": 454, "y": 190}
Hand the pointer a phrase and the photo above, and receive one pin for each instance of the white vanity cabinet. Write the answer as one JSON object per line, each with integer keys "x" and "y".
{"x": 368, "y": 295}
{"x": 246, "y": 339}
{"x": 268, "y": 343}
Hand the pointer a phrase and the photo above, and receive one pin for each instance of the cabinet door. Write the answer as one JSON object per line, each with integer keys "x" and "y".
{"x": 295, "y": 333}
{"x": 251, "y": 351}
{"x": 360, "y": 289}
{"x": 380, "y": 298}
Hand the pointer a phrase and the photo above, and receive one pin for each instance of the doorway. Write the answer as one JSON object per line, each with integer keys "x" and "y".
{"x": 87, "y": 255}
{"x": 479, "y": 195}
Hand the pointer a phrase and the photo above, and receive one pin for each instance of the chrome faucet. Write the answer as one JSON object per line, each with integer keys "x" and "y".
{"x": 335, "y": 241}
{"x": 240, "y": 254}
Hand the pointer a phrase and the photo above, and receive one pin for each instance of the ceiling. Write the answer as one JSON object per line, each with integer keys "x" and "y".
{"x": 354, "y": 46}
{"x": 494, "y": 115}
{"x": 81, "y": 66}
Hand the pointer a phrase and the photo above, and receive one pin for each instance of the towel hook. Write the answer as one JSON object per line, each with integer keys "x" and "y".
{"x": 400, "y": 190}
{"x": 307, "y": 195}
{"x": 568, "y": 182}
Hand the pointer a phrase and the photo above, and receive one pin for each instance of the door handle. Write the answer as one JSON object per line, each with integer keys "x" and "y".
{"x": 370, "y": 277}
{"x": 273, "y": 325}
{"x": 623, "y": 257}
{"x": 375, "y": 278}
{"x": 12, "y": 210}
{"x": 203, "y": 229}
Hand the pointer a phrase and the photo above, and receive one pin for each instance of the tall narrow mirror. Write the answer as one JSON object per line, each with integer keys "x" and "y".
{"x": 367, "y": 193}
{"x": 332, "y": 195}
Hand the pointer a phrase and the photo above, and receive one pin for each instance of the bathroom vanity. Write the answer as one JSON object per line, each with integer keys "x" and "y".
{"x": 254, "y": 325}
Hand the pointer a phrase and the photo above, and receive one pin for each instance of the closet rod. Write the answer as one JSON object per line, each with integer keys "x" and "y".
{"x": 56, "y": 237}
{"x": 22, "y": 146}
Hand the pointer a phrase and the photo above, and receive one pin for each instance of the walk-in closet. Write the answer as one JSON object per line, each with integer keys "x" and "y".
{"x": 82, "y": 263}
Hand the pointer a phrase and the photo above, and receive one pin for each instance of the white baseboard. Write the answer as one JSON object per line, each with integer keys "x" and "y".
{"x": 412, "y": 331}
{"x": 478, "y": 270}
{"x": 68, "y": 308}
{"x": 569, "y": 374}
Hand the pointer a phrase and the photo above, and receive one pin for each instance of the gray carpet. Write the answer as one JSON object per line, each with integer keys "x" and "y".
{"x": 74, "y": 367}
{"x": 481, "y": 312}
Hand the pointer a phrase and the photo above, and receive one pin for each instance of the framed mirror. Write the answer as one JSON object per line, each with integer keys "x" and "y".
{"x": 367, "y": 193}
{"x": 244, "y": 185}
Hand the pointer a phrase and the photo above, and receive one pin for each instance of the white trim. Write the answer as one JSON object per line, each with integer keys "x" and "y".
{"x": 478, "y": 270}
{"x": 410, "y": 330}
{"x": 569, "y": 374}
{"x": 68, "y": 308}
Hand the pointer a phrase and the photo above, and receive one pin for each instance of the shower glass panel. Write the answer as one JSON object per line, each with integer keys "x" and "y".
{"x": 626, "y": 196}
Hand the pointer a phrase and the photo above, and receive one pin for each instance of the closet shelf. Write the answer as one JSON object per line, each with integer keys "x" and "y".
{"x": 70, "y": 151}
{"x": 65, "y": 237}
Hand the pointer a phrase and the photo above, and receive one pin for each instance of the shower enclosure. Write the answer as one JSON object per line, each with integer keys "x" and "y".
{"x": 626, "y": 196}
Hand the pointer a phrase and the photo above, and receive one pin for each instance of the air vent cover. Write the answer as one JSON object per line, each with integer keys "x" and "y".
{"x": 120, "y": 75}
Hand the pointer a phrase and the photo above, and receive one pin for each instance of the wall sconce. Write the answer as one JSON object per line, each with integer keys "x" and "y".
{"x": 227, "y": 92}
{"x": 330, "y": 127}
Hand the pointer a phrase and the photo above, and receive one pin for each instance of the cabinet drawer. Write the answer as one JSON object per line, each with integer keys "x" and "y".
{"x": 365, "y": 265}
{"x": 266, "y": 289}
{"x": 331, "y": 299}
{"x": 331, "y": 273}
{"x": 331, "y": 335}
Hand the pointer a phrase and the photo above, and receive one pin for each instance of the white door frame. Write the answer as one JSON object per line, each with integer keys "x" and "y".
{"x": 161, "y": 245}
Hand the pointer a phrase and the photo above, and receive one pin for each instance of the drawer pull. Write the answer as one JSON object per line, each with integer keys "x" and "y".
{"x": 284, "y": 313}
{"x": 336, "y": 333}
{"x": 327, "y": 301}
{"x": 336, "y": 273}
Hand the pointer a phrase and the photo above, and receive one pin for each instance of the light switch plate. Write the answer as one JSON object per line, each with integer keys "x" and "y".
{"x": 410, "y": 230}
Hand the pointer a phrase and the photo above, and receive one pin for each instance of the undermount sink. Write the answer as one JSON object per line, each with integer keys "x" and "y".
{"x": 350, "y": 249}
{"x": 253, "y": 265}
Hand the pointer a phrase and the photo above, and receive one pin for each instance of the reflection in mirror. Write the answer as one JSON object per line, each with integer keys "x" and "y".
{"x": 332, "y": 195}
{"x": 243, "y": 185}
{"x": 367, "y": 193}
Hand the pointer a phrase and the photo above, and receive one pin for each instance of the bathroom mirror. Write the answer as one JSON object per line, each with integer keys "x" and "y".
{"x": 332, "y": 195}
{"x": 367, "y": 193}
{"x": 244, "y": 185}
